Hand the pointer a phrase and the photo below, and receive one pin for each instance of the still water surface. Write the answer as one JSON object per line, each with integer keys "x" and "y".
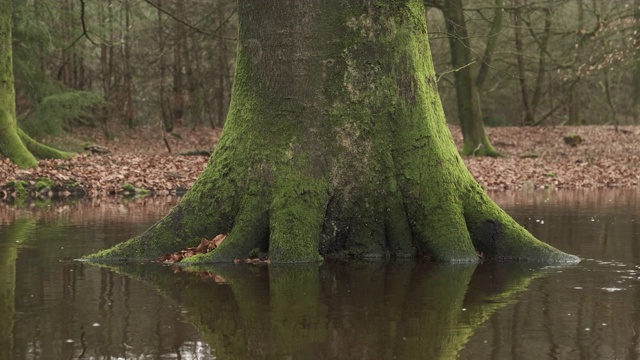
{"x": 54, "y": 308}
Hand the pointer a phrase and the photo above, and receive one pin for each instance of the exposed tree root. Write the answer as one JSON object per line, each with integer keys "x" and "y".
{"x": 42, "y": 151}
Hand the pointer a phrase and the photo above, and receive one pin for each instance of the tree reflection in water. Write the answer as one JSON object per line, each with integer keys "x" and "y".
{"x": 339, "y": 310}
{"x": 333, "y": 310}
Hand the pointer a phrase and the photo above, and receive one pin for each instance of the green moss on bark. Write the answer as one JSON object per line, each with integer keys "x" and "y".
{"x": 42, "y": 151}
{"x": 14, "y": 143}
{"x": 336, "y": 145}
{"x": 10, "y": 144}
{"x": 475, "y": 140}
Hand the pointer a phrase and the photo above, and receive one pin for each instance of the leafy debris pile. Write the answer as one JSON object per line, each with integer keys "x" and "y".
{"x": 205, "y": 246}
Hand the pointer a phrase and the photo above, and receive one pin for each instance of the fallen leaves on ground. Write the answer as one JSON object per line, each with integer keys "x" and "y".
{"x": 535, "y": 157}
{"x": 106, "y": 175}
{"x": 538, "y": 157}
{"x": 205, "y": 246}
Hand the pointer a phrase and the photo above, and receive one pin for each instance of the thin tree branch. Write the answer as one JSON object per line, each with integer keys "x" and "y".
{"x": 454, "y": 70}
{"x": 85, "y": 32}
{"x": 161, "y": 9}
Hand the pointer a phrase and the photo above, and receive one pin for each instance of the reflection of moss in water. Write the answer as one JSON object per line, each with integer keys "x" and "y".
{"x": 21, "y": 193}
{"x": 43, "y": 183}
{"x": 451, "y": 311}
{"x": 9, "y": 242}
{"x": 298, "y": 314}
{"x": 339, "y": 310}
{"x": 129, "y": 190}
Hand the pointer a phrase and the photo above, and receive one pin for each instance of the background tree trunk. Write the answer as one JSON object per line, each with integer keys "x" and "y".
{"x": 636, "y": 67}
{"x": 14, "y": 143}
{"x": 492, "y": 42}
{"x": 522, "y": 73}
{"x": 336, "y": 145}
{"x": 128, "y": 111}
{"x": 475, "y": 140}
{"x": 179, "y": 46}
{"x": 543, "y": 43}
{"x": 165, "y": 107}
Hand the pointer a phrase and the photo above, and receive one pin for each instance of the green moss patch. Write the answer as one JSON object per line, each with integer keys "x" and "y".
{"x": 128, "y": 190}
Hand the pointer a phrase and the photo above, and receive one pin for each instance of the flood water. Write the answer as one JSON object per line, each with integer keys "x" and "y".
{"x": 54, "y": 308}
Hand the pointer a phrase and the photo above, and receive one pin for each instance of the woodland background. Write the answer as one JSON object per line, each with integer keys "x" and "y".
{"x": 151, "y": 79}
{"x": 169, "y": 63}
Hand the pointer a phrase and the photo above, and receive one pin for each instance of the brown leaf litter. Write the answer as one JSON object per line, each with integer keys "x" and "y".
{"x": 534, "y": 157}
{"x": 205, "y": 246}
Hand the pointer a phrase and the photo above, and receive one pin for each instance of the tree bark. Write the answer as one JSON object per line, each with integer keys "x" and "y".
{"x": 475, "y": 140}
{"x": 529, "y": 117}
{"x": 636, "y": 68}
{"x": 128, "y": 111}
{"x": 14, "y": 143}
{"x": 492, "y": 41}
{"x": 336, "y": 145}
{"x": 167, "y": 117}
{"x": 542, "y": 61}
{"x": 574, "y": 99}
{"x": 179, "y": 46}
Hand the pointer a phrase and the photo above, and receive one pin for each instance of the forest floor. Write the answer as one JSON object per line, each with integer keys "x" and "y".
{"x": 534, "y": 158}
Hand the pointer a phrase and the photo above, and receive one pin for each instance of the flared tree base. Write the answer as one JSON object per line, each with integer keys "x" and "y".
{"x": 336, "y": 145}
{"x": 301, "y": 223}
{"x": 20, "y": 148}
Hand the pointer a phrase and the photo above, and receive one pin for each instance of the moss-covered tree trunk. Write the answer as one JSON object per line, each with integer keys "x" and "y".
{"x": 475, "y": 140}
{"x": 336, "y": 145}
{"x": 14, "y": 143}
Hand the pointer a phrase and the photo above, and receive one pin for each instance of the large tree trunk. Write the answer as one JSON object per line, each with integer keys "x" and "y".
{"x": 14, "y": 143}
{"x": 336, "y": 145}
{"x": 475, "y": 140}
